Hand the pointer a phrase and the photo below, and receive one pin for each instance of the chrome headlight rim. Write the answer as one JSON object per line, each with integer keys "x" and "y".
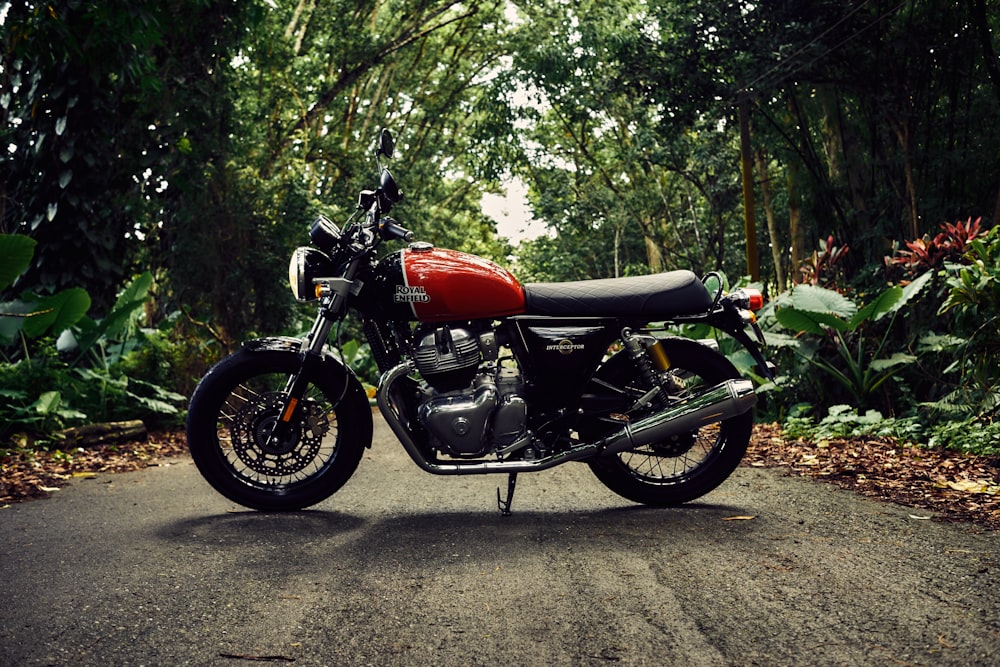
{"x": 305, "y": 265}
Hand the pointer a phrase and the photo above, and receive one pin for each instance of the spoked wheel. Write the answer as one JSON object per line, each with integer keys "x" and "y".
{"x": 685, "y": 466}
{"x": 231, "y": 427}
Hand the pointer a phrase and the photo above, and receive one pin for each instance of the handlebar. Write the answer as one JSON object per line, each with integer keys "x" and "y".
{"x": 390, "y": 230}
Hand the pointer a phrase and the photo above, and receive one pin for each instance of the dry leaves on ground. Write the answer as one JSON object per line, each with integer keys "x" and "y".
{"x": 948, "y": 485}
{"x": 30, "y": 475}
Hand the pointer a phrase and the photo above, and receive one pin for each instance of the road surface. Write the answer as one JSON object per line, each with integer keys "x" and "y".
{"x": 404, "y": 568}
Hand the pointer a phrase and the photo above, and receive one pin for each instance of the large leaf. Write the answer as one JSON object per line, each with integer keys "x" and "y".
{"x": 128, "y": 306}
{"x": 808, "y": 321}
{"x": 57, "y": 312}
{"x": 914, "y": 288}
{"x": 821, "y": 300}
{"x": 879, "y": 306}
{"x": 898, "y": 359}
{"x": 16, "y": 251}
{"x": 12, "y": 317}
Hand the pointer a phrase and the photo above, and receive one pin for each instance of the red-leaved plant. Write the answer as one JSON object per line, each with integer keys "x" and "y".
{"x": 821, "y": 268}
{"x": 928, "y": 253}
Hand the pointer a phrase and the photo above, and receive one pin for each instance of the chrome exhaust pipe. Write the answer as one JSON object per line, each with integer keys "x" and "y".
{"x": 723, "y": 401}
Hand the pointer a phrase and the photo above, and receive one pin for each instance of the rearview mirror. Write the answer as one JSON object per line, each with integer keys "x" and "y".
{"x": 386, "y": 144}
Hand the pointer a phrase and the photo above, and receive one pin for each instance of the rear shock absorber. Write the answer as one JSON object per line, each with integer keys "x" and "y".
{"x": 650, "y": 360}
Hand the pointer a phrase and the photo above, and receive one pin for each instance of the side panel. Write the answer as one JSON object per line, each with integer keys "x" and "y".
{"x": 561, "y": 354}
{"x": 377, "y": 298}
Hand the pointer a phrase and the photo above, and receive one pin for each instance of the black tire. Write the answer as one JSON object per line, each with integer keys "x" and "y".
{"x": 232, "y": 408}
{"x": 687, "y": 466}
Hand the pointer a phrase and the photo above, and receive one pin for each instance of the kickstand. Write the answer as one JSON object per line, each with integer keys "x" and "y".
{"x": 504, "y": 505}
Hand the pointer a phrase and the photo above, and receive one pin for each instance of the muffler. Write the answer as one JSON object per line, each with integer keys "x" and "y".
{"x": 723, "y": 401}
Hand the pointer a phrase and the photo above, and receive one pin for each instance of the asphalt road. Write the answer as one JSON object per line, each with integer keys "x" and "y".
{"x": 403, "y": 568}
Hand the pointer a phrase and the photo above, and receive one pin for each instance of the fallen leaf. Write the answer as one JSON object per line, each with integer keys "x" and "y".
{"x": 972, "y": 486}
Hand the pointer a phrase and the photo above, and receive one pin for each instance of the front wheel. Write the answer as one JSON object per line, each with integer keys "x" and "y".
{"x": 233, "y": 412}
{"x": 685, "y": 466}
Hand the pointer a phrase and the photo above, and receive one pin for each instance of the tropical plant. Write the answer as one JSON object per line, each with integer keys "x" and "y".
{"x": 823, "y": 267}
{"x": 32, "y": 315}
{"x": 862, "y": 363}
{"x": 928, "y": 253}
{"x": 42, "y": 391}
{"x": 974, "y": 303}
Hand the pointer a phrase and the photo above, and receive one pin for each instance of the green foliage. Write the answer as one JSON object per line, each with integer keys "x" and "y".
{"x": 33, "y": 395}
{"x": 43, "y": 392}
{"x": 79, "y": 84}
{"x": 974, "y": 302}
{"x": 859, "y": 367}
{"x": 358, "y": 357}
{"x": 843, "y": 421}
{"x": 31, "y": 316}
{"x": 16, "y": 252}
{"x": 968, "y": 435}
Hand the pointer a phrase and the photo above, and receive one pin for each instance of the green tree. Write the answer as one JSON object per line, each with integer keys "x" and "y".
{"x": 76, "y": 79}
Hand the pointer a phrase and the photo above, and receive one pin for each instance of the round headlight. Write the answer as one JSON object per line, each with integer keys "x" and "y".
{"x": 305, "y": 265}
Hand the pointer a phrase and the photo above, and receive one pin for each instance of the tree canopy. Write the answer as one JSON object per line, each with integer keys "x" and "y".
{"x": 178, "y": 151}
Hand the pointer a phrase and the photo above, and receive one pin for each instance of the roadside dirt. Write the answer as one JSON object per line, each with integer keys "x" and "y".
{"x": 947, "y": 486}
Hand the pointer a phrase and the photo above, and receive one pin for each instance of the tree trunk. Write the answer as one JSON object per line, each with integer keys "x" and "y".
{"x": 902, "y": 130}
{"x": 777, "y": 254}
{"x": 845, "y": 167}
{"x": 746, "y": 164}
{"x": 653, "y": 255}
{"x": 795, "y": 230}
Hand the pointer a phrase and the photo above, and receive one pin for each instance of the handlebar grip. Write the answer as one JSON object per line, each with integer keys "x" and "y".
{"x": 390, "y": 229}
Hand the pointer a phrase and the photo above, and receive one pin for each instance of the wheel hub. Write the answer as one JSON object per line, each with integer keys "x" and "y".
{"x": 252, "y": 432}
{"x": 675, "y": 445}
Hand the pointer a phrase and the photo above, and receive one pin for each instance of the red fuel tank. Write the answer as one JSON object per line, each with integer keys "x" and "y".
{"x": 442, "y": 285}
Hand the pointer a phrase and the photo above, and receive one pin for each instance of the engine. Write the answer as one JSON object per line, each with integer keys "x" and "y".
{"x": 474, "y": 405}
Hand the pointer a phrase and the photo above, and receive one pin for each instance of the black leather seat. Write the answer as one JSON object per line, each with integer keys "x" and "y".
{"x": 660, "y": 295}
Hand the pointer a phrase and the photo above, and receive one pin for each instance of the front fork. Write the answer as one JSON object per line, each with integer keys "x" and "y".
{"x": 332, "y": 305}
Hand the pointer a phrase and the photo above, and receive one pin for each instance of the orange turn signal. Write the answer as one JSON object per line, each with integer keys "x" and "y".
{"x": 755, "y": 298}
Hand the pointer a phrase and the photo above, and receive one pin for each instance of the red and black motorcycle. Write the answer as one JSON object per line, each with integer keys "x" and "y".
{"x": 479, "y": 374}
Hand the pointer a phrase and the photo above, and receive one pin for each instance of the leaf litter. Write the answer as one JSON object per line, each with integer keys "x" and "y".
{"x": 953, "y": 486}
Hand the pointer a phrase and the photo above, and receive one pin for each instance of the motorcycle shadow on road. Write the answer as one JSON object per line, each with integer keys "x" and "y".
{"x": 247, "y": 527}
{"x": 431, "y": 538}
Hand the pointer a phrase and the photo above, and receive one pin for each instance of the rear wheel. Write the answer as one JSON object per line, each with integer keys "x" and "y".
{"x": 682, "y": 467}
{"x": 233, "y": 412}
